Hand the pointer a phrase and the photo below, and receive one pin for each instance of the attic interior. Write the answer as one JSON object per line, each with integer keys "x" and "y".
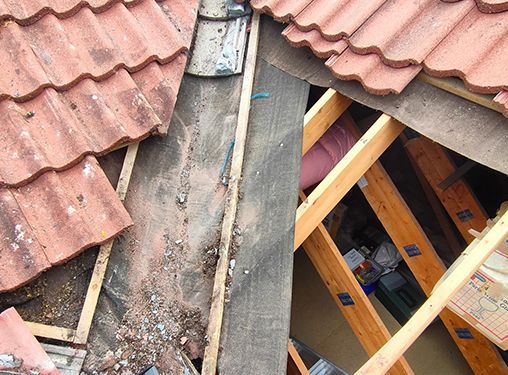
{"x": 254, "y": 187}
{"x": 319, "y": 325}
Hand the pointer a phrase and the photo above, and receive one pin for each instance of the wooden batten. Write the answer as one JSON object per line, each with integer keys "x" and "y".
{"x": 295, "y": 363}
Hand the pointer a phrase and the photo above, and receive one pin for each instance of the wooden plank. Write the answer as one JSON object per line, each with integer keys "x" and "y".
{"x": 349, "y": 296}
{"x": 455, "y": 86}
{"x": 437, "y": 207}
{"x": 257, "y": 316}
{"x": 321, "y": 116}
{"x": 68, "y": 361}
{"x": 51, "y": 332}
{"x": 219, "y": 287}
{"x": 478, "y": 252}
{"x": 458, "y": 199}
{"x": 419, "y": 254}
{"x": 457, "y": 174}
{"x": 344, "y": 175}
{"x": 295, "y": 363}
{"x": 101, "y": 264}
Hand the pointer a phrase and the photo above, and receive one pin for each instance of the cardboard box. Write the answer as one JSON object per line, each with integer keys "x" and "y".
{"x": 483, "y": 301}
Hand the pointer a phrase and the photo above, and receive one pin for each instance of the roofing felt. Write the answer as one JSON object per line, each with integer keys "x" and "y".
{"x": 443, "y": 38}
{"x": 21, "y": 353}
{"x": 79, "y": 78}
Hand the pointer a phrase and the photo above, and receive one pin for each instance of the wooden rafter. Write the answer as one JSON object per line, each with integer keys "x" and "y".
{"x": 349, "y": 296}
{"x": 321, "y": 116}
{"x": 478, "y": 251}
{"x": 344, "y": 175}
{"x": 419, "y": 254}
{"x": 295, "y": 363}
{"x": 458, "y": 199}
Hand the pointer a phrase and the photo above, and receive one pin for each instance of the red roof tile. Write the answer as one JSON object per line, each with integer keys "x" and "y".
{"x": 489, "y": 6}
{"x": 59, "y": 53}
{"x": 313, "y": 39}
{"x": 419, "y": 28}
{"x": 476, "y": 51}
{"x": 501, "y": 100}
{"x": 26, "y": 12}
{"x": 281, "y": 10}
{"x": 369, "y": 70}
{"x": 77, "y": 82}
{"x": 54, "y": 218}
{"x": 447, "y": 38}
{"x": 336, "y": 19}
{"x": 21, "y": 351}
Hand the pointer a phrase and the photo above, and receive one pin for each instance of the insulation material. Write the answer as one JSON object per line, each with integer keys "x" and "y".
{"x": 325, "y": 154}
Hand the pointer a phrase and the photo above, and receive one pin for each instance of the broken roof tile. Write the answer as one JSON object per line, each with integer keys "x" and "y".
{"x": 420, "y": 26}
{"x": 376, "y": 77}
{"x": 54, "y": 218}
{"x": 336, "y": 19}
{"x": 20, "y": 351}
{"x": 26, "y": 12}
{"x": 476, "y": 52}
{"x": 281, "y": 10}
{"x": 501, "y": 100}
{"x": 59, "y": 53}
{"x": 313, "y": 39}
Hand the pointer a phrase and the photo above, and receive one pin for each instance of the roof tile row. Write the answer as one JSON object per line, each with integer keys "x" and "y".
{"x": 54, "y": 218}
{"x": 59, "y": 53}
{"x": 60, "y": 115}
{"x": 26, "y": 12}
{"x": 444, "y": 38}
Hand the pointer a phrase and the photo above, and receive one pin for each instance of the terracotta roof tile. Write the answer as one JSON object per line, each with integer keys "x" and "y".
{"x": 376, "y": 77}
{"x": 26, "y": 12}
{"x": 501, "y": 100}
{"x": 18, "y": 343}
{"x": 89, "y": 118}
{"x": 313, "y": 39}
{"x": 419, "y": 28}
{"x": 336, "y": 19}
{"x": 59, "y": 115}
{"x": 447, "y": 38}
{"x": 281, "y": 10}
{"x": 476, "y": 51}
{"x": 54, "y": 218}
{"x": 488, "y": 6}
{"x": 59, "y": 53}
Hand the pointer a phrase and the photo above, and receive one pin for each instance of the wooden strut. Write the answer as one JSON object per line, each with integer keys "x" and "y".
{"x": 419, "y": 254}
{"x": 327, "y": 259}
{"x": 80, "y": 335}
{"x": 344, "y": 175}
{"x": 218, "y": 294}
{"x": 295, "y": 363}
{"x": 478, "y": 252}
{"x": 456, "y": 87}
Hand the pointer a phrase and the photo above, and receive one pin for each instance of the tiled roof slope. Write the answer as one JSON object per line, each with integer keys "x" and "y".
{"x": 54, "y": 218}
{"x": 79, "y": 78}
{"x": 385, "y": 43}
{"x": 21, "y": 353}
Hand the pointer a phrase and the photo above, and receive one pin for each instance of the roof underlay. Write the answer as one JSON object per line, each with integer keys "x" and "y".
{"x": 465, "y": 127}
